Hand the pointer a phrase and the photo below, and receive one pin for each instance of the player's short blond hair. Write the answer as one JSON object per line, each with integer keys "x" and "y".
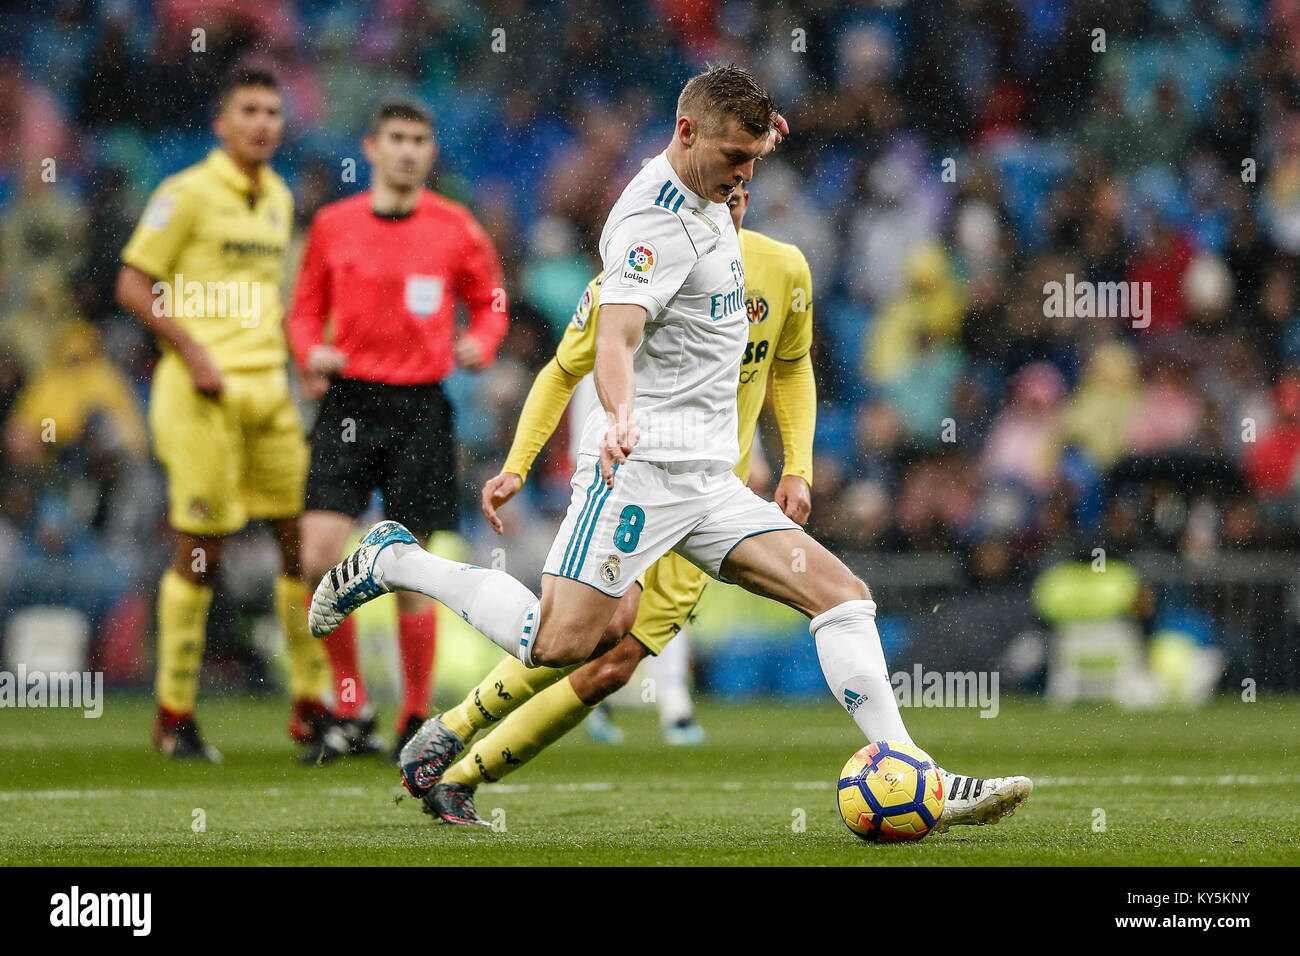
{"x": 727, "y": 92}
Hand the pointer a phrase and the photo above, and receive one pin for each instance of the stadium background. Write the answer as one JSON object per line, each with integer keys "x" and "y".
{"x": 1070, "y": 435}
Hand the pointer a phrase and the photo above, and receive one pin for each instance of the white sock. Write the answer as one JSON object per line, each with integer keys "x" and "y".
{"x": 502, "y": 609}
{"x": 848, "y": 646}
{"x": 671, "y": 670}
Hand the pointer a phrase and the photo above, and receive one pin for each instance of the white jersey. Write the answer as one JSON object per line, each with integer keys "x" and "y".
{"x": 676, "y": 254}
{"x": 583, "y": 404}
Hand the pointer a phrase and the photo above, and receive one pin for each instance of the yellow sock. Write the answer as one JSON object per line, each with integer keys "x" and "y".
{"x": 521, "y": 737}
{"x": 507, "y": 686}
{"x": 182, "y": 632}
{"x": 310, "y": 676}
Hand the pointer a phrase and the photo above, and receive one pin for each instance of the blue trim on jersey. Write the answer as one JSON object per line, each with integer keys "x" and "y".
{"x": 577, "y": 525}
{"x": 585, "y": 521}
{"x": 576, "y": 567}
{"x": 667, "y": 194}
{"x": 575, "y": 536}
{"x": 595, "y": 519}
{"x": 669, "y": 198}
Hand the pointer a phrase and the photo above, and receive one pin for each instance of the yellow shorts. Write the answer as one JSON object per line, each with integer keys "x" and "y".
{"x": 228, "y": 459}
{"x": 669, "y": 592}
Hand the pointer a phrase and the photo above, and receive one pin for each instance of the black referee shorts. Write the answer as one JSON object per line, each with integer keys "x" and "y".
{"x": 397, "y": 438}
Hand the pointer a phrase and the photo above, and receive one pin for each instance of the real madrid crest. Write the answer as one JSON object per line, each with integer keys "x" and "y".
{"x": 610, "y": 570}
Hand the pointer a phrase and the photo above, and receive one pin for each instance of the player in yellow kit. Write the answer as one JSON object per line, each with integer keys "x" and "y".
{"x": 203, "y": 271}
{"x": 535, "y": 707}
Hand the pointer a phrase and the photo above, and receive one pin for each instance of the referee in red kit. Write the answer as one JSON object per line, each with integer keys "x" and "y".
{"x": 384, "y": 270}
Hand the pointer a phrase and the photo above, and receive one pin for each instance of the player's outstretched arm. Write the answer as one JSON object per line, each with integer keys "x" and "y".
{"x": 542, "y": 409}
{"x": 617, "y": 337}
{"x": 794, "y": 399}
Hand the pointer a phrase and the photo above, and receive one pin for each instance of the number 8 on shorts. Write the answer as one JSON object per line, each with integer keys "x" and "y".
{"x": 628, "y": 532}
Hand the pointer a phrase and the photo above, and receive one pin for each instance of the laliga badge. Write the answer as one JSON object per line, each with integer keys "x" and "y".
{"x": 583, "y": 311}
{"x": 639, "y": 264}
{"x": 609, "y": 571}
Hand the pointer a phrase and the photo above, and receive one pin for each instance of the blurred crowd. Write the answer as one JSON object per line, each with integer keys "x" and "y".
{"x": 947, "y": 161}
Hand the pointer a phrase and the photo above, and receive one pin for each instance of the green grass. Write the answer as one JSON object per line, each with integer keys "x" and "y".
{"x": 91, "y": 792}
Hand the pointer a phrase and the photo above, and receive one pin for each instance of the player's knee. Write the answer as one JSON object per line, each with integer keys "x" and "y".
{"x": 616, "y": 630}
{"x": 544, "y": 656}
{"x": 550, "y": 649}
{"x": 848, "y": 588}
{"x": 856, "y": 589}
{"x": 615, "y": 668}
{"x": 292, "y": 563}
{"x": 570, "y": 630}
{"x": 622, "y": 621}
{"x": 608, "y": 641}
{"x": 198, "y": 560}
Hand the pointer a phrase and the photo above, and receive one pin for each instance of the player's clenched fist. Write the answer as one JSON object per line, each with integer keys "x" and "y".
{"x": 795, "y": 498}
{"x": 496, "y": 492}
{"x": 619, "y": 440}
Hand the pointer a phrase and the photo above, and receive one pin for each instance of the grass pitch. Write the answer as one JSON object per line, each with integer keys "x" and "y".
{"x": 1208, "y": 787}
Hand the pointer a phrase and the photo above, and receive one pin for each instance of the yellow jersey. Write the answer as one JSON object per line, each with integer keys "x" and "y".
{"x": 216, "y": 245}
{"x": 778, "y": 300}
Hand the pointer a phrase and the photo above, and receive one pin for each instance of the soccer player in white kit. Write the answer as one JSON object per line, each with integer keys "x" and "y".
{"x": 654, "y": 471}
{"x": 671, "y": 667}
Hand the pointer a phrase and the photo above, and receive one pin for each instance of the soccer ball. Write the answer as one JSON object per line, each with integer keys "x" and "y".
{"x": 890, "y": 792}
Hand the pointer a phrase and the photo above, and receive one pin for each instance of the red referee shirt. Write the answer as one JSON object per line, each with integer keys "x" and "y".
{"x": 389, "y": 287}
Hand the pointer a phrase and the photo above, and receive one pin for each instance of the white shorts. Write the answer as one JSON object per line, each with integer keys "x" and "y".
{"x": 610, "y": 537}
